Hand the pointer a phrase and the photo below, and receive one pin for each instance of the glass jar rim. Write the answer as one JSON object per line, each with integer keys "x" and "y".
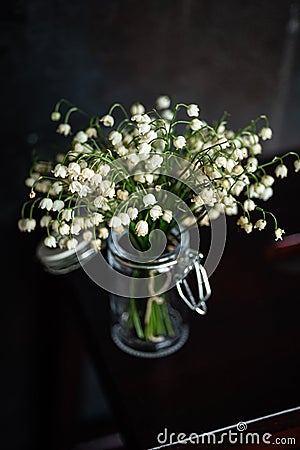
{"x": 128, "y": 259}
{"x": 61, "y": 260}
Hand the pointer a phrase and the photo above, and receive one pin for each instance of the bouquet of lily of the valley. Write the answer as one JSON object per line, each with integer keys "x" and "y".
{"x": 141, "y": 170}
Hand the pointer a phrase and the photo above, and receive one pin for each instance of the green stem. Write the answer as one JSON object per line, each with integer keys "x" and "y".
{"x": 159, "y": 328}
{"x": 166, "y": 316}
{"x": 136, "y": 319}
{"x": 118, "y": 105}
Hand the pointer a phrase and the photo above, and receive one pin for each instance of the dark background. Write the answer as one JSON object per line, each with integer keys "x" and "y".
{"x": 238, "y": 56}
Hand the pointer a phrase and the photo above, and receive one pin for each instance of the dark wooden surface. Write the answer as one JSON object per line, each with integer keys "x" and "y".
{"x": 241, "y": 360}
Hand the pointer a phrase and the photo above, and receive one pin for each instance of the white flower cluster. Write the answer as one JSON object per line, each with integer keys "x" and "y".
{"x": 82, "y": 192}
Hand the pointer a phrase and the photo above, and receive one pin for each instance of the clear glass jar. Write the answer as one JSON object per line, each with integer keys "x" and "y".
{"x": 155, "y": 325}
{"x": 149, "y": 300}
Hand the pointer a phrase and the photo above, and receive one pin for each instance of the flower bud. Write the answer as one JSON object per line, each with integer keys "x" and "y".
{"x": 55, "y": 116}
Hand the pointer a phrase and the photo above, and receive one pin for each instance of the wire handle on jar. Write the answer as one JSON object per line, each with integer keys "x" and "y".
{"x": 204, "y": 291}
